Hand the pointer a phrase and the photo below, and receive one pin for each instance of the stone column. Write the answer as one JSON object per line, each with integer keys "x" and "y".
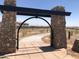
{"x": 59, "y": 33}
{"x": 8, "y": 29}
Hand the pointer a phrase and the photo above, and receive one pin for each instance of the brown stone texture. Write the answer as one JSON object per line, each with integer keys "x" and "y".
{"x": 8, "y": 30}
{"x": 76, "y": 46}
{"x": 58, "y": 25}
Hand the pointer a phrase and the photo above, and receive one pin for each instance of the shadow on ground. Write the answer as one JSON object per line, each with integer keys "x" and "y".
{"x": 47, "y": 49}
{"x": 44, "y": 49}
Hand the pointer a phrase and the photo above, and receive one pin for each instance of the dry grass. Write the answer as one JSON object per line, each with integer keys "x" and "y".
{"x": 3, "y": 57}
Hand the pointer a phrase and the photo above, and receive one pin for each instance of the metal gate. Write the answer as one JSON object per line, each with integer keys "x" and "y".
{"x": 24, "y": 22}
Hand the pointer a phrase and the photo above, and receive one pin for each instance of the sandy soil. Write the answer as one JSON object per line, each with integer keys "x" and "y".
{"x": 70, "y": 42}
{"x": 33, "y": 47}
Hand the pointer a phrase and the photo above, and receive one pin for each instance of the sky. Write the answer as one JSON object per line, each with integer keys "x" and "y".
{"x": 70, "y": 6}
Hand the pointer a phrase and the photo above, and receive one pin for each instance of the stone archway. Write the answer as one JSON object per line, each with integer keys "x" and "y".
{"x": 8, "y": 30}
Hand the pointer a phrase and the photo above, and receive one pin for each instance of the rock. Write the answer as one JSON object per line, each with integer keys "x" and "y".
{"x": 76, "y": 46}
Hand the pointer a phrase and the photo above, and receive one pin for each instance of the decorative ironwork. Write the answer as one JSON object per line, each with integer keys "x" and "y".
{"x": 24, "y": 22}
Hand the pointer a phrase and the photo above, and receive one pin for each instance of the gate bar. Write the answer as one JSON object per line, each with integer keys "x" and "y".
{"x": 32, "y": 11}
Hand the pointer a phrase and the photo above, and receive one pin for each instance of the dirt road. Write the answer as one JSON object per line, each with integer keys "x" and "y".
{"x": 33, "y": 47}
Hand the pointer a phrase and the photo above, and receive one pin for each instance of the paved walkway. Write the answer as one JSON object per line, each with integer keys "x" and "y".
{"x": 34, "y": 48}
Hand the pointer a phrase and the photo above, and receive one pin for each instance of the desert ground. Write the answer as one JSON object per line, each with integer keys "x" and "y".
{"x": 70, "y": 43}
{"x": 33, "y": 47}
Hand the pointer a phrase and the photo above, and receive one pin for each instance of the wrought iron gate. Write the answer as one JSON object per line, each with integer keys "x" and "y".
{"x": 24, "y": 22}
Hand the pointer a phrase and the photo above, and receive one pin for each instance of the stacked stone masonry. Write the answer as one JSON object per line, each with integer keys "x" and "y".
{"x": 8, "y": 30}
{"x": 58, "y": 26}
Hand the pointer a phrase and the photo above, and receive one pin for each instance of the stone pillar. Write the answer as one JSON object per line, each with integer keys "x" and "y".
{"x": 8, "y": 30}
{"x": 59, "y": 33}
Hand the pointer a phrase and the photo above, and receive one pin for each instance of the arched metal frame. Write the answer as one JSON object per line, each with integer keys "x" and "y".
{"x": 24, "y": 22}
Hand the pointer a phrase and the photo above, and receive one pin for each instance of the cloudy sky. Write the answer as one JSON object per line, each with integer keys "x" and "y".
{"x": 70, "y": 5}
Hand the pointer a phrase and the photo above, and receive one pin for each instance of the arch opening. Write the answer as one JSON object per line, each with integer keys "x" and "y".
{"x": 27, "y": 20}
